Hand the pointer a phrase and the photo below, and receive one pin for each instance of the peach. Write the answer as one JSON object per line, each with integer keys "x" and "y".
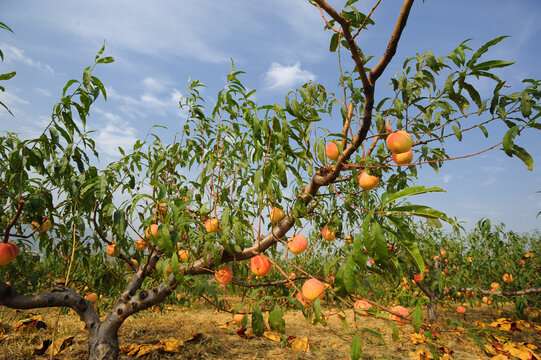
{"x": 461, "y": 309}
{"x": 224, "y": 275}
{"x": 152, "y": 231}
{"x": 363, "y": 305}
{"x": 6, "y": 254}
{"x": 399, "y": 310}
{"x": 237, "y": 318}
{"x": 495, "y": 285}
{"x": 113, "y": 250}
{"x": 135, "y": 264}
{"x": 297, "y": 244}
{"x": 276, "y": 215}
{"x": 418, "y": 278}
{"x": 399, "y": 142}
{"x": 403, "y": 158}
{"x": 92, "y": 297}
{"x": 46, "y": 225}
{"x": 141, "y": 244}
{"x": 312, "y": 288}
{"x": 212, "y": 225}
{"x": 508, "y": 278}
{"x": 331, "y": 150}
{"x": 260, "y": 265}
{"x": 368, "y": 182}
{"x": 162, "y": 209}
{"x": 328, "y": 234}
{"x": 183, "y": 254}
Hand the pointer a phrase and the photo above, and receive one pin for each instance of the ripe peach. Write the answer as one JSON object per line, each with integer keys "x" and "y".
{"x": 399, "y": 142}
{"x": 224, "y": 275}
{"x": 331, "y": 150}
{"x": 113, "y": 250}
{"x": 363, "y": 305}
{"x": 276, "y": 215}
{"x": 418, "y": 278}
{"x": 297, "y": 244}
{"x": 152, "y": 231}
{"x": 46, "y": 225}
{"x": 92, "y": 297}
{"x": 403, "y": 158}
{"x": 237, "y": 318}
{"x": 212, "y": 225}
{"x": 135, "y": 264}
{"x": 328, "y": 234}
{"x": 312, "y": 288}
{"x": 260, "y": 265}
{"x": 183, "y": 254}
{"x": 461, "y": 309}
{"x": 508, "y": 278}
{"x": 6, "y": 254}
{"x": 368, "y": 182}
{"x": 470, "y": 259}
{"x": 162, "y": 209}
{"x": 532, "y": 312}
{"x": 400, "y": 310}
{"x": 141, "y": 244}
{"x": 495, "y": 285}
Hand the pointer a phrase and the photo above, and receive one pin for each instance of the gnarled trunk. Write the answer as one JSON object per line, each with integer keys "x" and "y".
{"x": 431, "y": 309}
{"x": 103, "y": 343}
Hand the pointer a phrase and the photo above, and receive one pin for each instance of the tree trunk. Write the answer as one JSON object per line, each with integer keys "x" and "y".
{"x": 103, "y": 343}
{"x": 431, "y": 309}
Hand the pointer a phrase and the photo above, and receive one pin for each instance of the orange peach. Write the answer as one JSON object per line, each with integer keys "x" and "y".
{"x": 328, "y": 234}
{"x": 237, "y": 318}
{"x": 312, "y": 288}
{"x": 368, "y": 182}
{"x": 152, "y": 231}
{"x": 224, "y": 275}
{"x": 363, "y": 305}
{"x": 331, "y": 150}
{"x": 141, "y": 244}
{"x": 276, "y": 215}
{"x": 212, "y": 225}
{"x": 260, "y": 265}
{"x": 113, "y": 250}
{"x": 399, "y": 142}
{"x": 403, "y": 158}
{"x": 297, "y": 244}
{"x": 399, "y": 310}
{"x": 92, "y": 297}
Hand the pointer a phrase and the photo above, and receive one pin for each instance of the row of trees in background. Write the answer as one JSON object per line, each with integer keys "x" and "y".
{"x": 263, "y": 174}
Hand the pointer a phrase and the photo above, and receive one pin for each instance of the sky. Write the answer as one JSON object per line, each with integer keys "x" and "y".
{"x": 158, "y": 46}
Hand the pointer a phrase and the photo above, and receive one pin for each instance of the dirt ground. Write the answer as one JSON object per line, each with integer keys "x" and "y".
{"x": 218, "y": 338}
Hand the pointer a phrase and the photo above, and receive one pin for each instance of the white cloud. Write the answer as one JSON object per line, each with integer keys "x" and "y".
{"x": 153, "y": 85}
{"x": 285, "y": 77}
{"x": 11, "y": 101}
{"x": 447, "y": 178}
{"x": 116, "y": 133}
{"x": 13, "y": 54}
{"x": 44, "y": 92}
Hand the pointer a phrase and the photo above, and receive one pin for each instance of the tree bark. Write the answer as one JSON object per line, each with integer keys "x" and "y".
{"x": 431, "y": 310}
{"x": 103, "y": 343}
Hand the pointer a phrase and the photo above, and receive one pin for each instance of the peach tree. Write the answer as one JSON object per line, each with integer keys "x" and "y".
{"x": 240, "y": 179}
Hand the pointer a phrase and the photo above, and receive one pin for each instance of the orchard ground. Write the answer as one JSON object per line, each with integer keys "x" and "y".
{"x": 219, "y": 338}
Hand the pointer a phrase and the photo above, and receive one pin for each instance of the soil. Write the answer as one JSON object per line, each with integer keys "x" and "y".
{"x": 218, "y": 338}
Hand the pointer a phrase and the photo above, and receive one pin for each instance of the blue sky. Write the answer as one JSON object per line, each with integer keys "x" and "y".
{"x": 159, "y": 45}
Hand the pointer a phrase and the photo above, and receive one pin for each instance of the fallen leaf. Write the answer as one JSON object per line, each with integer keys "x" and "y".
{"x": 272, "y": 336}
{"x": 299, "y": 344}
{"x": 31, "y": 324}
{"x": 417, "y": 339}
{"x": 171, "y": 345}
{"x": 62, "y": 343}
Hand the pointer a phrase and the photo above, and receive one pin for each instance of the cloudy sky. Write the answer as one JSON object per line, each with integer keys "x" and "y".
{"x": 159, "y": 45}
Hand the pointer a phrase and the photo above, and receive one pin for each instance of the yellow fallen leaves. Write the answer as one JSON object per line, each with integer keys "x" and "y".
{"x": 300, "y": 344}
{"x": 426, "y": 355}
{"x": 170, "y": 345}
{"x": 417, "y": 339}
{"x": 272, "y": 336}
{"x": 502, "y": 348}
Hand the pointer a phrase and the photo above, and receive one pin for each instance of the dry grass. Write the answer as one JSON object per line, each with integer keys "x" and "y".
{"x": 326, "y": 342}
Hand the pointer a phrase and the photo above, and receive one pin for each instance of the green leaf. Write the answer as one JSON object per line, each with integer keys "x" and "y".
{"x": 483, "y": 49}
{"x": 119, "y": 223}
{"x": 412, "y": 190}
{"x": 457, "y": 132}
{"x": 7, "y": 76}
{"x": 276, "y": 319}
{"x": 473, "y": 94}
{"x": 106, "y": 60}
{"x": 491, "y": 64}
{"x": 508, "y": 140}
{"x": 318, "y": 319}
{"x": 101, "y": 51}
{"x": 417, "y": 318}
{"x": 526, "y": 105}
{"x": 334, "y": 42}
{"x": 258, "y": 324}
{"x": 86, "y": 78}
{"x": 394, "y": 329}
{"x": 523, "y": 155}
{"x": 356, "y": 347}
{"x": 484, "y": 130}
